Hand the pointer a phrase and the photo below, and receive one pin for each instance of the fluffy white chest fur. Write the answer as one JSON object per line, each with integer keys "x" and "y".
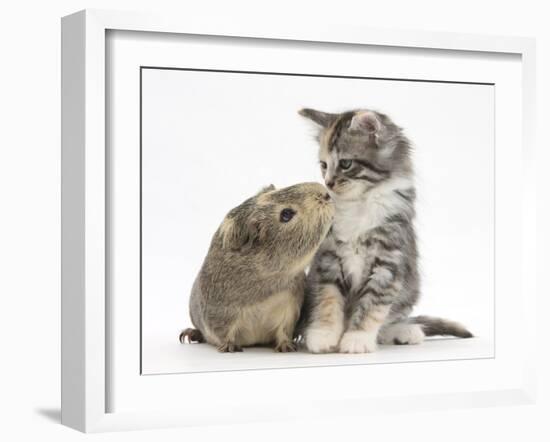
{"x": 354, "y": 219}
{"x": 353, "y": 262}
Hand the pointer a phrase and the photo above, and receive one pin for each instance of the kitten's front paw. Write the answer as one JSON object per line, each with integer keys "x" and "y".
{"x": 322, "y": 340}
{"x": 358, "y": 342}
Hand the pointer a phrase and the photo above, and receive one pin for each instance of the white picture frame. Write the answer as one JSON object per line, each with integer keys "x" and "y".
{"x": 87, "y": 358}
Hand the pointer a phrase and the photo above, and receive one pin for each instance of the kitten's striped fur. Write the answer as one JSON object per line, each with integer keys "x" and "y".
{"x": 363, "y": 281}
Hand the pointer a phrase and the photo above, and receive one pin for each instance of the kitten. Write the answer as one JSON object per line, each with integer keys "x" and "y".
{"x": 363, "y": 282}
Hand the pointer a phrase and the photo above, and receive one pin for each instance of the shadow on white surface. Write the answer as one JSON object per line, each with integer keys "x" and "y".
{"x": 50, "y": 414}
{"x": 164, "y": 357}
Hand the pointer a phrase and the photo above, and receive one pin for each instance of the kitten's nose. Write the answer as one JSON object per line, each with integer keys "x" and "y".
{"x": 330, "y": 184}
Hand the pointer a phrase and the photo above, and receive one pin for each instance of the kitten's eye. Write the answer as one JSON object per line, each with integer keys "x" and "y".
{"x": 287, "y": 215}
{"x": 323, "y": 165}
{"x": 345, "y": 164}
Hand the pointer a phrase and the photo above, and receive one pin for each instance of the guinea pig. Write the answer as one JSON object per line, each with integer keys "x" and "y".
{"x": 250, "y": 288}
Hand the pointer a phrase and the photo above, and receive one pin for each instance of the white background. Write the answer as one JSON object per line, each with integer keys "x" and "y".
{"x": 29, "y": 238}
{"x": 212, "y": 139}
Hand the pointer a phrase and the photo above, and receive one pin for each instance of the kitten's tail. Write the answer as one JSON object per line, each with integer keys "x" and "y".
{"x": 440, "y": 327}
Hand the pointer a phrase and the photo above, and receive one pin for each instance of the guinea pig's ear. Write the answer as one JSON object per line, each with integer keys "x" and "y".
{"x": 236, "y": 235}
{"x": 266, "y": 189}
{"x": 323, "y": 119}
{"x": 233, "y": 234}
{"x": 257, "y": 227}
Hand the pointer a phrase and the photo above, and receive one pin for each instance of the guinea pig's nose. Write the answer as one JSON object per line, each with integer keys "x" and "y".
{"x": 326, "y": 197}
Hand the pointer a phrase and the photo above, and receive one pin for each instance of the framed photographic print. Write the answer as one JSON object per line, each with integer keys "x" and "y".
{"x": 262, "y": 221}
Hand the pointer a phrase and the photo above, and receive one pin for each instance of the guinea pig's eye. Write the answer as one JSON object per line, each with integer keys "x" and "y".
{"x": 323, "y": 165}
{"x": 344, "y": 164}
{"x": 287, "y": 215}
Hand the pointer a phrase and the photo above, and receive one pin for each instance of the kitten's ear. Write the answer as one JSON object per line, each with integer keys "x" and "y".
{"x": 365, "y": 121}
{"x": 266, "y": 189}
{"x": 323, "y": 119}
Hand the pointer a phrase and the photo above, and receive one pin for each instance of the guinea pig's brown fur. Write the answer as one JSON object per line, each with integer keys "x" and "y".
{"x": 250, "y": 288}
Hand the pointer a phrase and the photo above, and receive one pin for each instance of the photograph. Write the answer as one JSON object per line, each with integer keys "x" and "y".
{"x": 301, "y": 220}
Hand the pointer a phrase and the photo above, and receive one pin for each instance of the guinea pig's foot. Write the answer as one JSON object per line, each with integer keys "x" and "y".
{"x": 192, "y": 335}
{"x": 285, "y": 347}
{"x": 228, "y": 347}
